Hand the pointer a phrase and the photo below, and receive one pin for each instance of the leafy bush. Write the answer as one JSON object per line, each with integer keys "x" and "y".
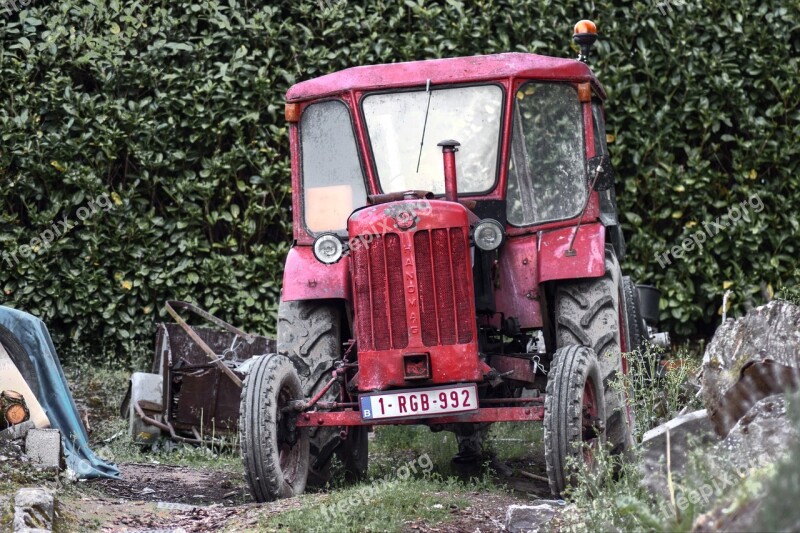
{"x": 173, "y": 110}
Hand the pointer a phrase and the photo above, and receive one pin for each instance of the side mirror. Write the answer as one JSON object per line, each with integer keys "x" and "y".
{"x": 601, "y": 173}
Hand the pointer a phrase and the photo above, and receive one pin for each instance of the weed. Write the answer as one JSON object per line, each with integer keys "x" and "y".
{"x": 516, "y": 441}
{"x": 382, "y": 506}
{"x": 394, "y": 445}
{"x": 609, "y": 494}
{"x": 658, "y": 392}
{"x": 779, "y": 511}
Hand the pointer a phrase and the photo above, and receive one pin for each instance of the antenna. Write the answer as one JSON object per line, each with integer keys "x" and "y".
{"x": 425, "y": 124}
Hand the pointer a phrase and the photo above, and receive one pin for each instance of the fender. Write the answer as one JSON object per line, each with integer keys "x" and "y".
{"x": 305, "y": 278}
{"x": 588, "y": 261}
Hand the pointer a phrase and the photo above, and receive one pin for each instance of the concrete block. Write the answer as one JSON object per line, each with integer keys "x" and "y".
{"x": 33, "y": 510}
{"x": 43, "y": 446}
{"x": 530, "y": 518}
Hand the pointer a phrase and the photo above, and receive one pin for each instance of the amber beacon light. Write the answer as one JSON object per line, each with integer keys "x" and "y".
{"x": 584, "y": 35}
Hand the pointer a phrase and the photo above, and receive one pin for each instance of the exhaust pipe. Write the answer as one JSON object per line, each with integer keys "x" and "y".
{"x": 449, "y": 149}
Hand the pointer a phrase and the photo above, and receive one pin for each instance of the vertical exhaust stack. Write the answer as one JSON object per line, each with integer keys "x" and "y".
{"x": 449, "y": 149}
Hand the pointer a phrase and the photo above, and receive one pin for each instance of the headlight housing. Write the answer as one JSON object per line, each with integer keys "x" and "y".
{"x": 488, "y": 235}
{"x": 328, "y": 248}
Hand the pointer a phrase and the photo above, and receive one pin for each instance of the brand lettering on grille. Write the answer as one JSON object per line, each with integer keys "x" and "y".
{"x": 411, "y": 289}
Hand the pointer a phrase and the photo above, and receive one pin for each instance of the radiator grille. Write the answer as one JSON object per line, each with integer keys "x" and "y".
{"x": 380, "y": 306}
{"x": 442, "y": 262}
{"x": 441, "y": 258}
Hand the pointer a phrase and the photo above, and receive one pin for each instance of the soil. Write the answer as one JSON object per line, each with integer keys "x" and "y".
{"x": 174, "y": 498}
{"x": 169, "y": 498}
{"x": 177, "y": 484}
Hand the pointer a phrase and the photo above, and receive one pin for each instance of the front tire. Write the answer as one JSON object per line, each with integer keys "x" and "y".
{"x": 274, "y": 452}
{"x": 574, "y": 414}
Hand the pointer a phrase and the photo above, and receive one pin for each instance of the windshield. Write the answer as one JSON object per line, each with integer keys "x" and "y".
{"x": 546, "y": 172}
{"x": 469, "y": 115}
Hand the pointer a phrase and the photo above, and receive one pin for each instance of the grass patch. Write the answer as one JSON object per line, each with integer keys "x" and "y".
{"x": 610, "y": 496}
{"x": 509, "y": 441}
{"x": 98, "y": 391}
{"x": 223, "y": 455}
{"x": 378, "y": 506}
{"x": 517, "y": 441}
{"x": 394, "y": 446}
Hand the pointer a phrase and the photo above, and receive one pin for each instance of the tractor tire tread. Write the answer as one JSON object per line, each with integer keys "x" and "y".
{"x": 258, "y": 429}
{"x": 563, "y": 438}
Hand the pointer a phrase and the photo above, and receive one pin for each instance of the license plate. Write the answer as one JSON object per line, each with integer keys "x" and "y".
{"x": 418, "y": 403}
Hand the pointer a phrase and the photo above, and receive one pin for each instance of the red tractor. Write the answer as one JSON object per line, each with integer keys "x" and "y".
{"x": 455, "y": 264}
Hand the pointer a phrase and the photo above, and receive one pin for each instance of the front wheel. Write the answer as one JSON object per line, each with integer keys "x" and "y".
{"x": 275, "y": 453}
{"x": 574, "y": 414}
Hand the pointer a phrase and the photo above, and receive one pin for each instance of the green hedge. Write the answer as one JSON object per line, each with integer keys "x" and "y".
{"x": 170, "y": 114}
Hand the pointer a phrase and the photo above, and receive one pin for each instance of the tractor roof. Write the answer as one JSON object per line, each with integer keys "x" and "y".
{"x": 444, "y": 71}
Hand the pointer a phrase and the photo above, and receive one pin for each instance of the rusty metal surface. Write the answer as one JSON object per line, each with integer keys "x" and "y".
{"x": 199, "y": 397}
{"x": 486, "y": 414}
{"x": 515, "y": 368}
{"x": 212, "y": 355}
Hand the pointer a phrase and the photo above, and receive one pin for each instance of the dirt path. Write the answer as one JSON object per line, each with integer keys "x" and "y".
{"x": 168, "y": 498}
{"x": 174, "y": 498}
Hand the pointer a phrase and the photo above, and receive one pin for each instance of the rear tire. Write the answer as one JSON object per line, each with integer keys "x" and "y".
{"x": 647, "y": 360}
{"x": 309, "y": 334}
{"x": 591, "y": 313}
{"x": 274, "y": 453}
{"x": 637, "y": 329}
{"x": 354, "y": 453}
{"x": 574, "y": 412}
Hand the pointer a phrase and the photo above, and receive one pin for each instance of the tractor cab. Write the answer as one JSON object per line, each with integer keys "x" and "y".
{"x": 526, "y": 126}
{"x": 455, "y": 264}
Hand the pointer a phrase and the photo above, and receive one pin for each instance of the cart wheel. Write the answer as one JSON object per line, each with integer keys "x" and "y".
{"x": 574, "y": 413}
{"x": 274, "y": 452}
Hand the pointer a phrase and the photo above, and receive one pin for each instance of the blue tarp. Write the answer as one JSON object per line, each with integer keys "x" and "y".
{"x": 54, "y": 395}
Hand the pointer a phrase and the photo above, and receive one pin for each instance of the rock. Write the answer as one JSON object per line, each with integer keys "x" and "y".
{"x": 532, "y": 518}
{"x": 43, "y": 446}
{"x": 17, "y": 432}
{"x": 686, "y": 432}
{"x": 760, "y": 437}
{"x": 33, "y": 510}
{"x": 749, "y": 359}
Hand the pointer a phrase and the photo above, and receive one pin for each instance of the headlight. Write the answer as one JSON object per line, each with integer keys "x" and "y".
{"x": 328, "y": 248}
{"x": 488, "y": 235}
